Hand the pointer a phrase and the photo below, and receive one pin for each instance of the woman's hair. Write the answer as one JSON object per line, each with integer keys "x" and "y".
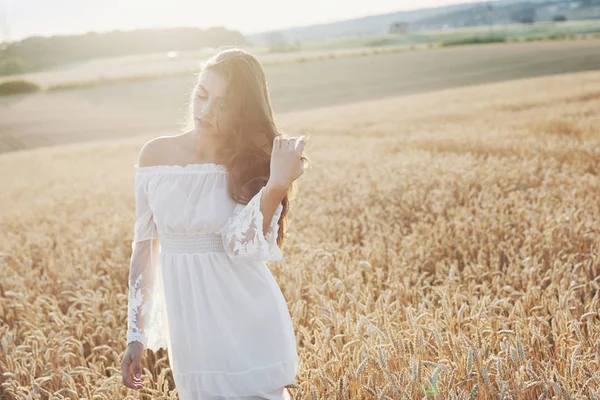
{"x": 248, "y": 129}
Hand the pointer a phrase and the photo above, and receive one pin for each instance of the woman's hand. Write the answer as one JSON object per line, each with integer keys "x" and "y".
{"x": 131, "y": 366}
{"x": 286, "y": 164}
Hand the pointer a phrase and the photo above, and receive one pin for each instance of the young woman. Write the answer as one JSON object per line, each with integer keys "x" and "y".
{"x": 211, "y": 207}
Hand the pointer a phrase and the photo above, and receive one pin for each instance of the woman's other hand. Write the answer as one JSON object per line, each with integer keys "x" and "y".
{"x": 131, "y": 366}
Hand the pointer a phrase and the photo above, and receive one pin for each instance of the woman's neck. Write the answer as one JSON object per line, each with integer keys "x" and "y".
{"x": 206, "y": 147}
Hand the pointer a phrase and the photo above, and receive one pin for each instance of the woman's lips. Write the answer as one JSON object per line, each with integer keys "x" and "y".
{"x": 203, "y": 123}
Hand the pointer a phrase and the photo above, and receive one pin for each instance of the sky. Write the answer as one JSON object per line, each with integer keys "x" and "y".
{"x": 22, "y": 18}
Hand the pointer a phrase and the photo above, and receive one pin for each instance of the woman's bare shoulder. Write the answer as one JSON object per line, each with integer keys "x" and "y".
{"x": 157, "y": 150}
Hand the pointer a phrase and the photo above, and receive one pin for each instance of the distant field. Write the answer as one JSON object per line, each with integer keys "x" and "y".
{"x": 512, "y": 32}
{"x": 158, "y": 106}
{"x": 152, "y": 66}
{"x": 161, "y": 64}
{"x": 441, "y": 245}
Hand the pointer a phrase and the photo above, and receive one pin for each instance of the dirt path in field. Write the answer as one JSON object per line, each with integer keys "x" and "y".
{"x": 159, "y": 106}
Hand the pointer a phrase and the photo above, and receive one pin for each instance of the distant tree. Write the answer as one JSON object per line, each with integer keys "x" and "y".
{"x": 559, "y": 18}
{"x": 398, "y": 28}
{"x": 524, "y": 15}
{"x": 12, "y": 65}
{"x": 527, "y": 20}
{"x": 16, "y": 87}
{"x": 490, "y": 14}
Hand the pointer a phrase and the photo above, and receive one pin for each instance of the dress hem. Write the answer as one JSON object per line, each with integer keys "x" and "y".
{"x": 255, "y": 381}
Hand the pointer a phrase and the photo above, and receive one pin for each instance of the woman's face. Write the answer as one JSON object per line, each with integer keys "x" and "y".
{"x": 208, "y": 103}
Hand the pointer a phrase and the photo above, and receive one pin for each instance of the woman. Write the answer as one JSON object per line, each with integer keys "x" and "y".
{"x": 211, "y": 205}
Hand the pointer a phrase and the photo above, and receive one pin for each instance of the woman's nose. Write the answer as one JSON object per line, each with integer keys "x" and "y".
{"x": 207, "y": 109}
{"x": 210, "y": 107}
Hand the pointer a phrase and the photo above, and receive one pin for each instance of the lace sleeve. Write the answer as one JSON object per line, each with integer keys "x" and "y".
{"x": 146, "y": 317}
{"x": 243, "y": 237}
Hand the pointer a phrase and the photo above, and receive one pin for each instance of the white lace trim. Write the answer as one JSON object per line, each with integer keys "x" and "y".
{"x": 136, "y": 300}
{"x": 243, "y": 237}
{"x": 146, "y": 319}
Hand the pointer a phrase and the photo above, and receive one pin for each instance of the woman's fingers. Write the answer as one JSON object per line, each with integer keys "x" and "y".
{"x": 137, "y": 370}
{"x": 129, "y": 366}
{"x": 300, "y": 145}
{"x": 293, "y": 143}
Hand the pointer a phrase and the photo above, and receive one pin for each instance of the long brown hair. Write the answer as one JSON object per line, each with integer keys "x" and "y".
{"x": 249, "y": 130}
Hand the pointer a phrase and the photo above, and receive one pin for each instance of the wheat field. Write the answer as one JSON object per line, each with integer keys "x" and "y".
{"x": 440, "y": 246}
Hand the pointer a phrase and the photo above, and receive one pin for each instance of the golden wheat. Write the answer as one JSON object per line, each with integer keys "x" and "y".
{"x": 442, "y": 245}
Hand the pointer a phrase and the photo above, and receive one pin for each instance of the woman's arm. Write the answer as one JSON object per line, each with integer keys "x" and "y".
{"x": 272, "y": 196}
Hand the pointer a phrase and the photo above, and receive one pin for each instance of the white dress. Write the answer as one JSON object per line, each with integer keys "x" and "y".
{"x": 199, "y": 287}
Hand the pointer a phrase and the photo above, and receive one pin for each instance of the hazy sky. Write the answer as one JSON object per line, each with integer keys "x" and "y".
{"x": 21, "y": 18}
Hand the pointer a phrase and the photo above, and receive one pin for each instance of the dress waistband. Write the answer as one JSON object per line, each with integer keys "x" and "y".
{"x": 201, "y": 243}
